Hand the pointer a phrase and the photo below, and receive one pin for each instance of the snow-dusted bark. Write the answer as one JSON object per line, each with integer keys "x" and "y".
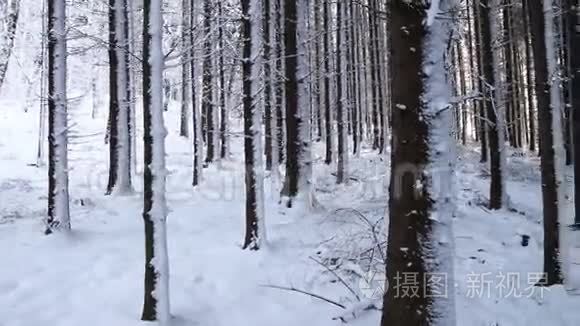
{"x": 185, "y": 58}
{"x": 58, "y": 196}
{"x": 555, "y": 101}
{"x": 131, "y": 18}
{"x": 328, "y": 113}
{"x": 123, "y": 120}
{"x": 499, "y": 99}
{"x": 207, "y": 101}
{"x": 275, "y": 94}
{"x": 304, "y": 105}
{"x": 195, "y": 109}
{"x": 9, "y": 10}
{"x": 439, "y": 248}
{"x": 119, "y": 108}
{"x": 223, "y": 89}
{"x": 550, "y": 132}
{"x": 341, "y": 106}
{"x": 254, "y": 174}
{"x": 421, "y": 208}
{"x": 156, "y": 303}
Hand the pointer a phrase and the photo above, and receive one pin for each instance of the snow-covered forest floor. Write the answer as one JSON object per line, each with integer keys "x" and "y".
{"x": 95, "y": 275}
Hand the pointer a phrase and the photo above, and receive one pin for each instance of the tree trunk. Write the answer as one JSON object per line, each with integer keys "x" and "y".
{"x": 58, "y": 193}
{"x": 496, "y": 184}
{"x": 341, "y": 118}
{"x": 419, "y": 127}
{"x": 255, "y": 232}
{"x": 185, "y": 62}
{"x": 293, "y": 121}
{"x": 327, "y": 72}
{"x": 9, "y": 9}
{"x": 195, "y": 114}
{"x": 156, "y": 301}
{"x": 267, "y": 84}
{"x": 207, "y": 97}
{"x": 541, "y": 29}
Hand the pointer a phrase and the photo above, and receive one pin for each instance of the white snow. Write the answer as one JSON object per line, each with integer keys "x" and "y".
{"x": 94, "y": 275}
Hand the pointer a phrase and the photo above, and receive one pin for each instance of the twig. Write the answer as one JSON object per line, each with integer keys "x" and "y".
{"x": 293, "y": 289}
{"x": 337, "y": 276}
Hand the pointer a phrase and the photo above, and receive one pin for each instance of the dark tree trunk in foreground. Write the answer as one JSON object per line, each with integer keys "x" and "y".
{"x": 548, "y": 160}
{"x": 419, "y": 126}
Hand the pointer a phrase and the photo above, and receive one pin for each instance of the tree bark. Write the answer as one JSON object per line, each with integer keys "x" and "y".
{"x": 156, "y": 298}
{"x": 58, "y": 192}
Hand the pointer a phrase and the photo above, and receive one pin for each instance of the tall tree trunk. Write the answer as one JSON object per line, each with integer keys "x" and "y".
{"x": 58, "y": 194}
{"x": 255, "y": 226}
{"x": 185, "y": 70}
{"x": 529, "y": 78}
{"x": 279, "y": 83}
{"x": 207, "y": 97}
{"x": 481, "y": 121}
{"x": 496, "y": 188}
{"x": 267, "y": 83}
{"x": 374, "y": 76}
{"x": 119, "y": 107}
{"x": 156, "y": 301}
{"x": 549, "y": 129}
{"x": 327, "y": 72}
{"x": 113, "y": 134}
{"x": 293, "y": 120}
{"x": 223, "y": 110}
{"x": 419, "y": 127}
{"x": 341, "y": 118}
{"x": 197, "y": 128}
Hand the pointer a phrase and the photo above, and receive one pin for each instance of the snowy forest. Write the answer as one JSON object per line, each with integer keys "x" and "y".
{"x": 290, "y": 162}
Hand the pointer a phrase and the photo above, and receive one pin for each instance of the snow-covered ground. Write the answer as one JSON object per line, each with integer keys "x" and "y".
{"x": 94, "y": 276}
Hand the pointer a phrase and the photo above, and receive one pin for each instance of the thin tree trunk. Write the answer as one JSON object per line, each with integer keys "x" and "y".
{"x": 185, "y": 70}
{"x": 207, "y": 97}
{"x": 195, "y": 114}
{"x": 340, "y": 110}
